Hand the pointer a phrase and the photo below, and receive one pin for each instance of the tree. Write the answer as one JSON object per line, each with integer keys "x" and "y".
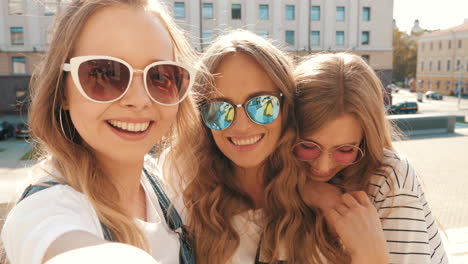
{"x": 405, "y": 53}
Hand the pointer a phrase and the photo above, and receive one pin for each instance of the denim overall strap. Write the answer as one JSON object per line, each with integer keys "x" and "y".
{"x": 31, "y": 189}
{"x": 173, "y": 220}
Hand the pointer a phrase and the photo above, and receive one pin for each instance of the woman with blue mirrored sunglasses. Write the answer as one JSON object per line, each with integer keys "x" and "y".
{"x": 241, "y": 179}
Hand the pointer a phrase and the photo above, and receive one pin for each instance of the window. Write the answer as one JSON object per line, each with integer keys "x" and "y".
{"x": 17, "y": 37}
{"x": 438, "y": 84}
{"x": 179, "y": 10}
{"x": 289, "y": 37}
{"x": 458, "y": 65}
{"x": 432, "y": 45}
{"x": 290, "y": 12}
{"x": 264, "y": 33}
{"x": 366, "y": 57}
{"x": 15, "y": 7}
{"x": 315, "y": 38}
{"x": 50, "y": 7}
{"x": 423, "y": 46}
{"x": 422, "y": 65}
{"x": 448, "y": 65}
{"x": 207, "y": 36}
{"x": 264, "y": 12}
{"x": 459, "y": 43}
{"x": 440, "y": 45}
{"x": 207, "y": 10}
{"x": 236, "y": 11}
{"x": 430, "y": 65}
{"x": 449, "y": 44}
{"x": 366, "y": 13}
{"x": 315, "y": 13}
{"x": 365, "y": 38}
{"x": 19, "y": 65}
{"x": 340, "y": 13}
{"x": 438, "y": 65}
{"x": 339, "y": 40}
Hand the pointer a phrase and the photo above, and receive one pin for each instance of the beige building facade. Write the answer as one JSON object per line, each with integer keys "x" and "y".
{"x": 443, "y": 61}
{"x": 302, "y": 27}
{"x": 24, "y": 34}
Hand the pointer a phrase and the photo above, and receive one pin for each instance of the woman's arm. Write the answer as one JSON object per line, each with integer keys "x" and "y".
{"x": 83, "y": 247}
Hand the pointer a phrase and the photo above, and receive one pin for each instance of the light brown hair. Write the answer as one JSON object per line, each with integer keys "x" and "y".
{"x": 211, "y": 194}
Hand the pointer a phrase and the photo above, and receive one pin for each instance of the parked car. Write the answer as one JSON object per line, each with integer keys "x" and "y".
{"x": 22, "y": 130}
{"x": 404, "y": 108}
{"x": 433, "y": 95}
{"x": 6, "y": 130}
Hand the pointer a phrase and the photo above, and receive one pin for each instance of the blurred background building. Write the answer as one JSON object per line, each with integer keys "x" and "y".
{"x": 363, "y": 27}
{"x": 442, "y": 64}
{"x": 24, "y": 37}
{"x": 301, "y": 27}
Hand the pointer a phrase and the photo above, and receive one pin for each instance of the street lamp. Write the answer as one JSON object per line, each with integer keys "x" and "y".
{"x": 460, "y": 83}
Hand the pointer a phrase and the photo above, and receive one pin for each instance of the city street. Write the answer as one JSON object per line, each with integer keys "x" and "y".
{"x": 448, "y": 105}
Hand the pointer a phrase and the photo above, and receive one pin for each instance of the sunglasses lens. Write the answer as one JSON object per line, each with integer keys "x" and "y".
{"x": 264, "y": 109}
{"x": 102, "y": 79}
{"x": 217, "y": 115}
{"x": 347, "y": 155}
{"x": 307, "y": 151}
{"x": 167, "y": 83}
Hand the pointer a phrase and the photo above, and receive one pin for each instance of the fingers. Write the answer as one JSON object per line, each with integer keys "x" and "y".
{"x": 349, "y": 200}
{"x": 362, "y": 198}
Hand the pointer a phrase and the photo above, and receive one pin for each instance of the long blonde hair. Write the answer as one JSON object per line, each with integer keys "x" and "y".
{"x": 211, "y": 194}
{"x": 330, "y": 85}
{"x": 69, "y": 154}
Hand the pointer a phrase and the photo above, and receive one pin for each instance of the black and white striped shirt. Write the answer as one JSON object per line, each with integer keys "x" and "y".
{"x": 410, "y": 228}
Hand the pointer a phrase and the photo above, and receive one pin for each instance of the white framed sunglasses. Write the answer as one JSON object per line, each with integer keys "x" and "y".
{"x": 106, "y": 79}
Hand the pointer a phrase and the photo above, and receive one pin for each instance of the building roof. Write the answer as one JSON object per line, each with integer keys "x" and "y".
{"x": 460, "y": 28}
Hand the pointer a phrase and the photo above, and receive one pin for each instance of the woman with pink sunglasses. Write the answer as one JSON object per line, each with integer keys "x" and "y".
{"x": 346, "y": 146}
{"x": 110, "y": 87}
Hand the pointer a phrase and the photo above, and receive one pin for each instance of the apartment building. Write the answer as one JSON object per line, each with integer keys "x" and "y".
{"x": 24, "y": 37}
{"x": 443, "y": 61}
{"x": 301, "y": 27}
{"x": 24, "y": 33}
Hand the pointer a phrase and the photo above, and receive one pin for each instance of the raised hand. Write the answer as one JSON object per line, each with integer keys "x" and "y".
{"x": 357, "y": 223}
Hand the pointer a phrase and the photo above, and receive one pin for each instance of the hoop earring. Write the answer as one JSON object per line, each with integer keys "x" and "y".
{"x": 61, "y": 123}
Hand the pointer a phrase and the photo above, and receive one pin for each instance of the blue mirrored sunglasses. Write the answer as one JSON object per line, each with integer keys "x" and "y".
{"x": 262, "y": 110}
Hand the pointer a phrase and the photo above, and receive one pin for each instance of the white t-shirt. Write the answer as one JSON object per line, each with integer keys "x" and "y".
{"x": 44, "y": 216}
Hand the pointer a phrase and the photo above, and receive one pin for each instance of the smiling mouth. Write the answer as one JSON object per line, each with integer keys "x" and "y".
{"x": 129, "y": 127}
{"x": 245, "y": 141}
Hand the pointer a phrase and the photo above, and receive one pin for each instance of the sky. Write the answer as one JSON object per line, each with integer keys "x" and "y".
{"x": 432, "y": 14}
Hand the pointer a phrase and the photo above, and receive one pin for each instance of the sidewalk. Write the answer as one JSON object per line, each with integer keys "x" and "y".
{"x": 442, "y": 165}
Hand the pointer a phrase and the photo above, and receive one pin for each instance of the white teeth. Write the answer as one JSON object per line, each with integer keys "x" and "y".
{"x": 133, "y": 127}
{"x": 247, "y": 141}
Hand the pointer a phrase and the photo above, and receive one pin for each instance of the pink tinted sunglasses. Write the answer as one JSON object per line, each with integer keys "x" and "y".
{"x": 343, "y": 154}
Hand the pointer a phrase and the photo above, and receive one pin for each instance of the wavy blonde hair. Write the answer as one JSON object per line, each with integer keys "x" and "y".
{"x": 212, "y": 196}
{"x": 69, "y": 154}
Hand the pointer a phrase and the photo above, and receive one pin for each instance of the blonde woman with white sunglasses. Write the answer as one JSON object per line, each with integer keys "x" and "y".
{"x": 106, "y": 93}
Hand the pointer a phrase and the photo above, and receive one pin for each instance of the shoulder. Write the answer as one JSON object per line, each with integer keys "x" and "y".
{"x": 35, "y": 222}
{"x": 397, "y": 175}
